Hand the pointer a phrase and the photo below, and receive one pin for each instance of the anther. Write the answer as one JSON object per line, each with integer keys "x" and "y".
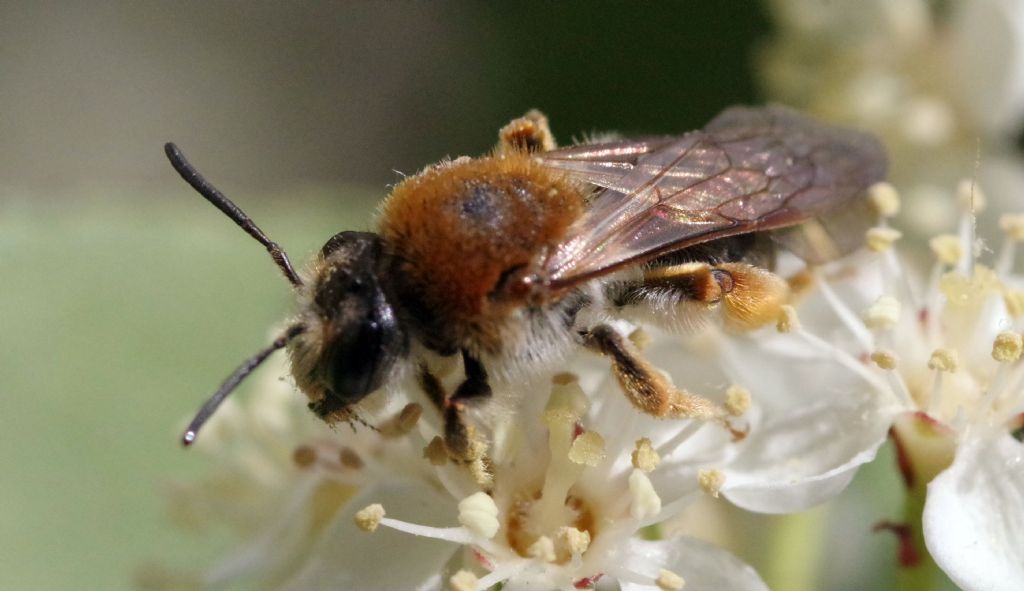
{"x": 882, "y": 238}
{"x": 884, "y": 199}
{"x": 369, "y": 518}
{"x": 644, "y": 457}
{"x": 711, "y": 481}
{"x": 669, "y": 581}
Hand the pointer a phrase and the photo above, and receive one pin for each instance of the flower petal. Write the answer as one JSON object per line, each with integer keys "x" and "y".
{"x": 797, "y": 460}
{"x": 702, "y": 566}
{"x": 346, "y": 557}
{"x": 974, "y": 516}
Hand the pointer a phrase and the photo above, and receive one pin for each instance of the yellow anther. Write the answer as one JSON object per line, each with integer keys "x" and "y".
{"x": 369, "y": 518}
{"x": 943, "y": 360}
{"x": 883, "y": 314}
{"x": 788, "y": 320}
{"x": 884, "y": 359}
{"x": 645, "y": 458}
{"x": 463, "y": 581}
{"x": 881, "y": 239}
{"x": 885, "y": 199}
{"x": 1007, "y": 347}
{"x": 737, "y": 400}
{"x": 669, "y": 581}
{"x": 948, "y": 248}
{"x": 711, "y": 481}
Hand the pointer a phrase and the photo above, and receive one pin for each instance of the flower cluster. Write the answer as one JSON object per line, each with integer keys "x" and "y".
{"x": 575, "y": 482}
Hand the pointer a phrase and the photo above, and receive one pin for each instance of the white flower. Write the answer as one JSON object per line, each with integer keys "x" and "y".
{"x": 572, "y": 478}
{"x": 939, "y": 361}
{"x": 941, "y": 83}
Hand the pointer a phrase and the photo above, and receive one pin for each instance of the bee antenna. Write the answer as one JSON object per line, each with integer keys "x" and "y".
{"x": 232, "y": 381}
{"x": 221, "y": 202}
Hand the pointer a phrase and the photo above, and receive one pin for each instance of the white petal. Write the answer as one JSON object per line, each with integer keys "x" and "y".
{"x": 703, "y": 566}
{"x": 348, "y": 558}
{"x": 974, "y": 516}
{"x": 794, "y": 461}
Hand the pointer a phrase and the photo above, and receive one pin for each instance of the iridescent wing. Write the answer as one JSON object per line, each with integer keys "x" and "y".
{"x": 750, "y": 169}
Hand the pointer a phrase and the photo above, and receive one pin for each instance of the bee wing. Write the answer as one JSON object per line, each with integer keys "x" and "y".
{"x": 750, "y": 169}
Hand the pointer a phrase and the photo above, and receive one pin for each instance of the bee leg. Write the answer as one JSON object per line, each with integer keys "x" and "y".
{"x": 750, "y": 296}
{"x": 460, "y": 437}
{"x": 646, "y": 386}
{"x": 529, "y": 133}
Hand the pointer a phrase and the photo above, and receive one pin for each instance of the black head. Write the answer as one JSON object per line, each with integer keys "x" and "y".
{"x": 362, "y": 336}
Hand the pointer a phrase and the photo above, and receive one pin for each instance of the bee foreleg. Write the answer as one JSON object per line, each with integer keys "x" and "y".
{"x": 749, "y": 296}
{"x": 647, "y": 387}
{"x": 460, "y": 437}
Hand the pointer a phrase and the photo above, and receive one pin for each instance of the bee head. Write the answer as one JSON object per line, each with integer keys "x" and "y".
{"x": 359, "y": 337}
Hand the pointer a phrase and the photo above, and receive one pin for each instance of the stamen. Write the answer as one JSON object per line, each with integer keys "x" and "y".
{"x": 464, "y": 581}
{"x": 1007, "y": 347}
{"x": 457, "y": 535}
{"x": 571, "y": 542}
{"x": 884, "y": 314}
{"x": 943, "y": 360}
{"x": 644, "y": 457}
{"x": 884, "y": 199}
{"x": 846, "y": 315}
{"x": 349, "y": 458}
{"x": 403, "y": 422}
{"x": 644, "y": 501}
{"x": 711, "y": 481}
{"x": 1013, "y": 230}
{"x": 737, "y": 400}
{"x": 881, "y": 239}
{"x": 542, "y": 549}
{"x": 788, "y": 320}
{"x": 370, "y": 517}
{"x": 304, "y": 456}
{"x": 669, "y": 581}
{"x": 435, "y": 452}
{"x": 1014, "y": 301}
{"x": 884, "y": 359}
{"x": 479, "y": 514}
{"x": 948, "y": 249}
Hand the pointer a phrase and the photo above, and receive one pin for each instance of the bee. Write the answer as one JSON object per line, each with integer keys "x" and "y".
{"x": 512, "y": 260}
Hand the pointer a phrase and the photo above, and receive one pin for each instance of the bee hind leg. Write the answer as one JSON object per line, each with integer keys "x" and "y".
{"x": 749, "y": 296}
{"x": 460, "y": 438}
{"x": 646, "y": 387}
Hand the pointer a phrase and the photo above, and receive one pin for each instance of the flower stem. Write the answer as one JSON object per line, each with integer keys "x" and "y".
{"x": 796, "y": 550}
{"x": 917, "y": 569}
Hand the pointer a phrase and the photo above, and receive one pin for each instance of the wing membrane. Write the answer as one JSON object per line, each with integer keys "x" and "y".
{"x": 748, "y": 170}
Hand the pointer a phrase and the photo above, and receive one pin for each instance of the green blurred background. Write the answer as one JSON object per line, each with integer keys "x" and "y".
{"x": 126, "y": 298}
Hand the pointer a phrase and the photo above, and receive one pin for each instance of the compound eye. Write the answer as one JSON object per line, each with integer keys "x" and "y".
{"x": 366, "y": 343}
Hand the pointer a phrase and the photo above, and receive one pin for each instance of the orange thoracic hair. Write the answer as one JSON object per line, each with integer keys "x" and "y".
{"x": 457, "y": 228}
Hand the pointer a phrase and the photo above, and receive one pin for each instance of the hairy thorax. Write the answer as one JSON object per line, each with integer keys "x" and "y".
{"x": 460, "y": 230}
